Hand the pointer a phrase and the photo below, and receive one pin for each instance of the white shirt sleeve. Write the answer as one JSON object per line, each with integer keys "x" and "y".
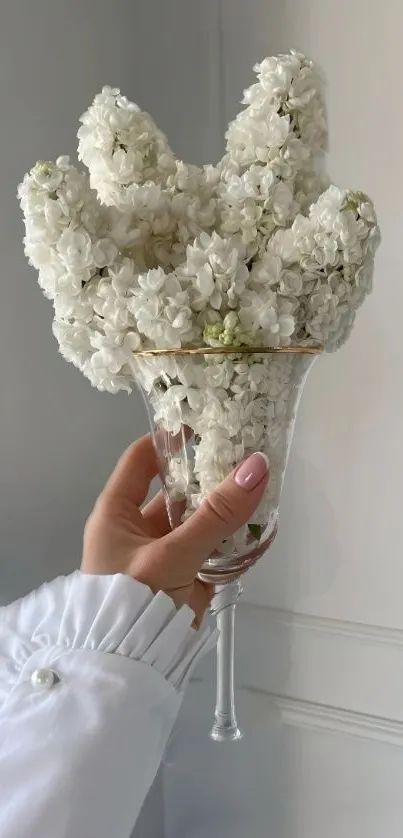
{"x": 92, "y": 671}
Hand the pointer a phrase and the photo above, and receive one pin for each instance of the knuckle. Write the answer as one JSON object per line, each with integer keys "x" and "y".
{"x": 111, "y": 506}
{"x": 155, "y": 554}
{"x": 157, "y": 567}
{"x": 219, "y": 507}
{"x": 104, "y": 504}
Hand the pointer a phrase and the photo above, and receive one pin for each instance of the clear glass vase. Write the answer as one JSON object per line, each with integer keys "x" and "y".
{"x": 209, "y": 409}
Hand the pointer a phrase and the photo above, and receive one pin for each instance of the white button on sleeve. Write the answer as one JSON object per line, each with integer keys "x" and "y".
{"x": 43, "y": 679}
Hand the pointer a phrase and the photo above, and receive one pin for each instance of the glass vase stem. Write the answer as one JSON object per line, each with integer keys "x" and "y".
{"x": 225, "y": 727}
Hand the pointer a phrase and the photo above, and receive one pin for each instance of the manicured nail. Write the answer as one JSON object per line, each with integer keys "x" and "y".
{"x": 252, "y": 471}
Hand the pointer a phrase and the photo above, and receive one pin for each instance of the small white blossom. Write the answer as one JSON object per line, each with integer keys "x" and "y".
{"x": 161, "y": 309}
{"x": 216, "y": 272}
{"x": 75, "y": 250}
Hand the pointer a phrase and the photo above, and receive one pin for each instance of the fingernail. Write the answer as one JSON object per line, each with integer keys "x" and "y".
{"x": 252, "y": 471}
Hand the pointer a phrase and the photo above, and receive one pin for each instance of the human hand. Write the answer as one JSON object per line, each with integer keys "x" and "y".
{"x": 122, "y": 537}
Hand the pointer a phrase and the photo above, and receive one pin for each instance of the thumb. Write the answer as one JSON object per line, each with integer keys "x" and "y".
{"x": 222, "y": 513}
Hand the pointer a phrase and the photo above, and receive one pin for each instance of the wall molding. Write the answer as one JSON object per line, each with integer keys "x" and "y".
{"x": 333, "y": 663}
{"x": 321, "y": 672}
{"x": 369, "y": 633}
{"x": 305, "y": 714}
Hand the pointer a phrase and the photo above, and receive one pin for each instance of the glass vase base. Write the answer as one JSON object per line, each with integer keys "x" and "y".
{"x": 220, "y": 733}
{"x": 219, "y": 572}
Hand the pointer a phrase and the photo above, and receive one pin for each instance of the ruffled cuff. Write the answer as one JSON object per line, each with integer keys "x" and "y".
{"x": 109, "y": 614}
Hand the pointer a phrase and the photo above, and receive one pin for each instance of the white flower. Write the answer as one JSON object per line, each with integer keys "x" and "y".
{"x": 254, "y": 204}
{"x": 178, "y": 478}
{"x": 282, "y": 202}
{"x": 47, "y": 176}
{"x": 170, "y": 411}
{"x": 75, "y": 249}
{"x": 153, "y": 281}
{"x": 256, "y": 140}
{"x": 74, "y": 341}
{"x": 284, "y": 245}
{"x": 326, "y": 211}
{"x": 276, "y": 74}
{"x": 219, "y": 374}
{"x": 252, "y": 434}
{"x": 161, "y": 309}
{"x": 216, "y": 271}
{"x": 104, "y": 253}
{"x": 152, "y": 373}
{"x": 266, "y": 271}
{"x": 111, "y": 306}
{"x": 271, "y": 315}
{"x": 73, "y": 305}
{"x": 291, "y": 283}
{"x": 121, "y": 146}
{"x": 113, "y": 352}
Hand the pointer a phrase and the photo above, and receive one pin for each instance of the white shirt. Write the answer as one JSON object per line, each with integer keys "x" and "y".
{"x": 92, "y": 673}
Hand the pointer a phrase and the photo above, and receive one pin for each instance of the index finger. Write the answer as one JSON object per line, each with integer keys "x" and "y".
{"x": 141, "y": 462}
{"x": 134, "y": 471}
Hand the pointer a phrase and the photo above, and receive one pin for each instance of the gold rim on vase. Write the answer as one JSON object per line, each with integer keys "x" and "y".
{"x": 231, "y": 350}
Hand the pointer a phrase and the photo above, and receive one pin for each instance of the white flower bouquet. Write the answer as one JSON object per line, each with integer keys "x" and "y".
{"x": 142, "y": 252}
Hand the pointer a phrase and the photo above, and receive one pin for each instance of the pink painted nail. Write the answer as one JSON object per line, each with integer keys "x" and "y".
{"x": 252, "y": 471}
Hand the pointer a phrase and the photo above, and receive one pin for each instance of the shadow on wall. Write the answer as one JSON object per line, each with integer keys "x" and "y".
{"x": 307, "y": 529}
{"x": 312, "y": 515}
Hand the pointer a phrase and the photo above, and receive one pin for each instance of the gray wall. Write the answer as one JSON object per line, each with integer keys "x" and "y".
{"x": 59, "y": 438}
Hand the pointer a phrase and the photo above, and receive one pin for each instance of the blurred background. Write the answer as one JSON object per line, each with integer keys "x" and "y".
{"x": 321, "y": 625}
